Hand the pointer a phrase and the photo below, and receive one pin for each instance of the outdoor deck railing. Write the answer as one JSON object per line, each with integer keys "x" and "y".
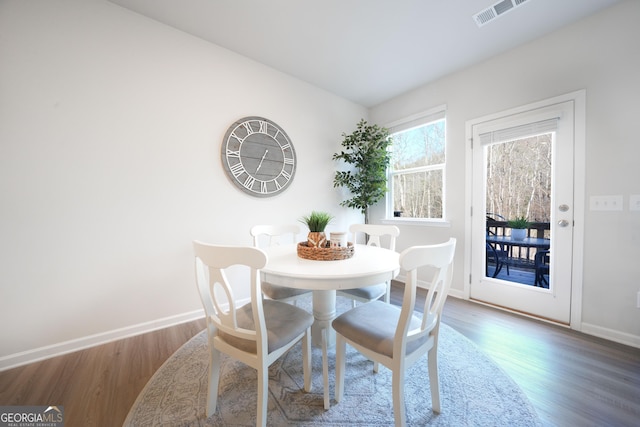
{"x": 540, "y": 230}
{"x": 521, "y": 256}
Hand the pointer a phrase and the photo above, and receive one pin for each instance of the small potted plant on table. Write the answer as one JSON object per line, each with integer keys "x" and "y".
{"x": 519, "y": 226}
{"x": 317, "y": 222}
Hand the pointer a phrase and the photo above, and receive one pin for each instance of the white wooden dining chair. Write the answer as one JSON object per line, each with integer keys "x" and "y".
{"x": 257, "y": 333}
{"x": 397, "y": 337}
{"x": 374, "y": 235}
{"x": 273, "y": 235}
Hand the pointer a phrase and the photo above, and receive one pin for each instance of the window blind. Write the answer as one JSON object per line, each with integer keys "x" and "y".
{"x": 419, "y": 119}
{"x": 519, "y": 132}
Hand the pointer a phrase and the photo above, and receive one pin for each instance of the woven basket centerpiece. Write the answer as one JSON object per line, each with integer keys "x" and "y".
{"x": 324, "y": 253}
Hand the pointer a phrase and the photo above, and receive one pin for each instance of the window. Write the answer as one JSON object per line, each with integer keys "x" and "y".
{"x": 417, "y": 167}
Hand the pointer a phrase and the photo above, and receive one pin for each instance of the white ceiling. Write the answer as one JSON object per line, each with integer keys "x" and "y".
{"x": 367, "y": 51}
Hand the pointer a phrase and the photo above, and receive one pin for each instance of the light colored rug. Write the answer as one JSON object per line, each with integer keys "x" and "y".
{"x": 474, "y": 391}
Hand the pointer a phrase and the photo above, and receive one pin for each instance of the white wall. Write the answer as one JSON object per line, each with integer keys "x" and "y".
{"x": 110, "y": 131}
{"x": 601, "y": 55}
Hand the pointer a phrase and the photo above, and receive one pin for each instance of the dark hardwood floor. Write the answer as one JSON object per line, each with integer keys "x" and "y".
{"x": 572, "y": 379}
{"x": 96, "y": 386}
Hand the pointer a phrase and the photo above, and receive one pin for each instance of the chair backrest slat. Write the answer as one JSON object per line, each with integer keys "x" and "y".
{"x": 216, "y": 290}
{"x": 438, "y": 257}
{"x": 374, "y": 232}
{"x": 275, "y": 234}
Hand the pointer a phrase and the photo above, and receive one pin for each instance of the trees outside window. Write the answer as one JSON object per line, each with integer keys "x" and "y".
{"x": 417, "y": 171}
{"x": 519, "y": 178}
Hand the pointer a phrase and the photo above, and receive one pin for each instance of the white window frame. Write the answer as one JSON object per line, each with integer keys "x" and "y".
{"x": 417, "y": 120}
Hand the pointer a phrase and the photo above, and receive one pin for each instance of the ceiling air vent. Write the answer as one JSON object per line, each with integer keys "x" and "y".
{"x": 485, "y": 16}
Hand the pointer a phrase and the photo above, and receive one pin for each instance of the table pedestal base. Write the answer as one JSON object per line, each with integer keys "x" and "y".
{"x": 324, "y": 311}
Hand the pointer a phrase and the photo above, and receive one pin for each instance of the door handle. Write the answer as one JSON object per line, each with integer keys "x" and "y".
{"x": 563, "y": 223}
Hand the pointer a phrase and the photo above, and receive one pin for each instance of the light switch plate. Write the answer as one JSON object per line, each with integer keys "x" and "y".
{"x": 606, "y": 203}
{"x": 634, "y": 202}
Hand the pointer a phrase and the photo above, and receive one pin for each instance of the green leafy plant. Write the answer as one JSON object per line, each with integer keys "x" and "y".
{"x": 317, "y": 221}
{"x": 366, "y": 150}
{"x": 519, "y": 222}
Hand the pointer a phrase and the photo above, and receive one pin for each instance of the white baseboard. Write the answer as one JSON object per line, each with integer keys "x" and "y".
{"x": 586, "y": 328}
{"x": 611, "y": 335}
{"x": 456, "y": 293}
{"x": 426, "y": 285}
{"x": 41, "y": 353}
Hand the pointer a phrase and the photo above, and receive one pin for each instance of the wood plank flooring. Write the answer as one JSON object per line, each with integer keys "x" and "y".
{"x": 96, "y": 386}
{"x": 572, "y": 379}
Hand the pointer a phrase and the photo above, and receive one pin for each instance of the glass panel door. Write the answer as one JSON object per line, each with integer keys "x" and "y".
{"x": 523, "y": 169}
{"x": 518, "y": 194}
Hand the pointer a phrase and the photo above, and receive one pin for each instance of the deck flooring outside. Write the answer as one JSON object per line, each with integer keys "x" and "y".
{"x": 518, "y": 275}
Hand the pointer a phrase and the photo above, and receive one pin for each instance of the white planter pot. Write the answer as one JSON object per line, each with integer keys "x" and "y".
{"x": 518, "y": 233}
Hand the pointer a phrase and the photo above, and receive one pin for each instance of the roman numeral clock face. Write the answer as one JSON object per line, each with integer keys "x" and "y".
{"x": 258, "y": 157}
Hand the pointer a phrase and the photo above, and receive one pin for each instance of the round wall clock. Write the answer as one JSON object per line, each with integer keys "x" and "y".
{"x": 258, "y": 156}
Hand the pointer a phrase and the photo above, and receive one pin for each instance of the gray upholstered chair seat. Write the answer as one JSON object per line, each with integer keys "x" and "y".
{"x": 284, "y": 322}
{"x": 369, "y": 292}
{"x": 374, "y": 326}
{"x": 281, "y": 292}
{"x": 373, "y": 234}
{"x": 257, "y": 338}
{"x": 395, "y": 336}
{"x": 274, "y": 235}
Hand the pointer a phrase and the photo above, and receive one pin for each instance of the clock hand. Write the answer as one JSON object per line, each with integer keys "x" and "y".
{"x": 261, "y": 160}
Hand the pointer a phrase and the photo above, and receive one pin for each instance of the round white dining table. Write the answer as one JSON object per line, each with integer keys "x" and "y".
{"x": 369, "y": 265}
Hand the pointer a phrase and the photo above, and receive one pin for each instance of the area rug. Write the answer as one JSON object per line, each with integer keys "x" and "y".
{"x": 474, "y": 391}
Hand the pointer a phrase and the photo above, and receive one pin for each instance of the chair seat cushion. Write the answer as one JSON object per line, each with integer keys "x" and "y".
{"x": 284, "y": 322}
{"x": 368, "y": 293}
{"x": 281, "y": 292}
{"x": 373, "y": 326}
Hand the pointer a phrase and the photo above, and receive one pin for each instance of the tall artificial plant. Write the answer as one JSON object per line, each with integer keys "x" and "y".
{"x": 366, "y": 151}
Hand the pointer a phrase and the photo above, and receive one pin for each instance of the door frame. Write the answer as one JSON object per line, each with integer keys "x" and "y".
{"x": 579, "y": 175}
